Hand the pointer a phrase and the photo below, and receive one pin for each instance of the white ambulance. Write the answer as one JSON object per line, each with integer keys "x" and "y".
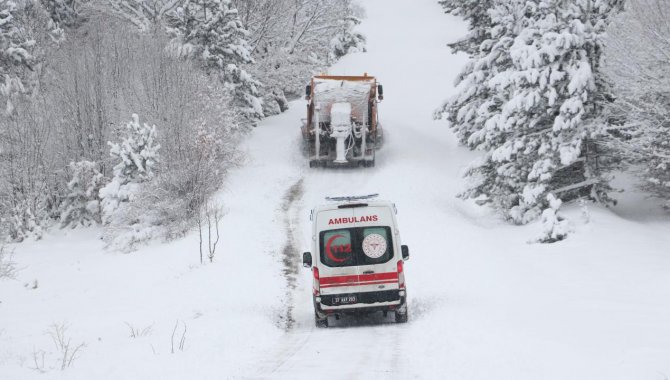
{"x": 358, "y": 260}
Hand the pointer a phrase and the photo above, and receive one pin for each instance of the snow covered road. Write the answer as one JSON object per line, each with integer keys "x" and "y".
{"x": 484, "y": 304}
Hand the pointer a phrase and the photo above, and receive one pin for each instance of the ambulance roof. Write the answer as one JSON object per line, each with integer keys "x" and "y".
{"x": 353, "y": 204}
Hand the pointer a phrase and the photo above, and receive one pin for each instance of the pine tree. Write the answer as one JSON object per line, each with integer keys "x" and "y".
{"x": 81, "y": 206}
{"x": 477, "y": 14}
{"x": 16, "y": 58}
{"x": 211, "y": 31}
{"x": 531, "y": 100}
{"x": 477, "y": 100}
{"x": 137, "y": 156}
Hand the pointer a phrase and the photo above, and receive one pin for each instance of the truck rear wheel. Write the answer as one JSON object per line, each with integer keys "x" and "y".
{"x": 401, "y": 317}
{"x": 320, "y": 323}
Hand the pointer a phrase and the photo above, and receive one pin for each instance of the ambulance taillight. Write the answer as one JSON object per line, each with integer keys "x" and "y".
{"x": 315, "y": 272}
{"x": 401, "y": 274}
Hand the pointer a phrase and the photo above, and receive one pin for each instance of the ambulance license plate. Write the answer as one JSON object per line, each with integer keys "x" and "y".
{"x": 344, "y": 300}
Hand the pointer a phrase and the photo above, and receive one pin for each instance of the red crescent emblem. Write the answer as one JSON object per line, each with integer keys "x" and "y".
{"x": 330, "y": 253}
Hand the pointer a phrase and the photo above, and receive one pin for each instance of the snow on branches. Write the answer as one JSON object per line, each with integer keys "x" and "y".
{"x": 137, "y": 157}
{"x": 347, "y": 41}
{"x": 16, "y": 58}
{"x": 212, "y": 32}
{"x": 81, "y": 205}
{"x": 636, "y": 60}
{"x": 530, "y": 98}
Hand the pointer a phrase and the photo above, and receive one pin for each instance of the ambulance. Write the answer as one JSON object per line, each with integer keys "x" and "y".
{"x": 357, "y": 260}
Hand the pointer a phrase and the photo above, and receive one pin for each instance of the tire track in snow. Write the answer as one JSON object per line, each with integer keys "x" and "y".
{"x": 290, "y": 261}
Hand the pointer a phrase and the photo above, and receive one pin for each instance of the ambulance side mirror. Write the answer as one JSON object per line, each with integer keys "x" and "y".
{"x": 307, "y": 260}
{"x": 405, "y": 252}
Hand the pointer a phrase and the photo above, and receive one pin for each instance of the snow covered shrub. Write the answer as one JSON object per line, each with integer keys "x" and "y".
{"x": 7, "y": 265}
{"x": 636, "y": 61}
{"x": 554, "y": 227}
{"x": 137, "y": 157}
{"x": 81, "y": 206}
{"x": 532, "y": 99}
{"x": 26, "y": 221}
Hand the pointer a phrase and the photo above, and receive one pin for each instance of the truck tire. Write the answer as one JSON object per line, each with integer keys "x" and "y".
{"x": 401, "y": 317}
{"x": 320, "y": 323}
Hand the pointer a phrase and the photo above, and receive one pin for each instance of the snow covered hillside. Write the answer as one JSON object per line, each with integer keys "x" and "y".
{"x": 484, "y": 304}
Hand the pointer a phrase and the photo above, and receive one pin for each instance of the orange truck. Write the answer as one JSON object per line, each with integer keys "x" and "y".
{"x": 342, "y": 126}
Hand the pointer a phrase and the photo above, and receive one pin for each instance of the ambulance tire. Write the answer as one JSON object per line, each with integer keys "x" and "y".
{"x": 401, "y": 317}
{"x": 321, "y": 323}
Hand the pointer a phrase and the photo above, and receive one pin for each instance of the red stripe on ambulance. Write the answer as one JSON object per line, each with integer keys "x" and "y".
{"x": 359, "y": 280}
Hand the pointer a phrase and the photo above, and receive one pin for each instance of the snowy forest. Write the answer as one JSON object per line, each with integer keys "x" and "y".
{"x": 559, "y": 95}
{"x": 109, "y": 106}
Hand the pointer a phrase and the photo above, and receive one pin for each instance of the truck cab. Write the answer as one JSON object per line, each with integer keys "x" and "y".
{"x": 358, "y": 260}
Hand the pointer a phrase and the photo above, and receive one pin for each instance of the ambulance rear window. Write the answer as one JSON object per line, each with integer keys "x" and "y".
{"x": 356, "y": 246}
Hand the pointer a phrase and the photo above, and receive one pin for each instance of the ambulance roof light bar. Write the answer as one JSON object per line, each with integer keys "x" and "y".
{"x": 350, "y": 198}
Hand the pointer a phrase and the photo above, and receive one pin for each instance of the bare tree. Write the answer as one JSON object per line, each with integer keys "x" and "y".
{"x": 637, "y": 60}
{"x": 209, "y": 218}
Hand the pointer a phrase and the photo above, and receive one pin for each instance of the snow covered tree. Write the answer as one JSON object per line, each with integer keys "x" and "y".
{"x": 211, "y": 31}
{"x": 81, "y": 206}
{"x": 62, "y": 12}
{"x": 137, "y": 156}
{"x": 469, "y": 111}
{"x": 145, "y": 14}
{"x": 636, "y": 61}
{"x": 535, "y": 107}
{"x": 16, "y": 58}
{"x": 477, "y": 14}
{"x": 347, "y": 41}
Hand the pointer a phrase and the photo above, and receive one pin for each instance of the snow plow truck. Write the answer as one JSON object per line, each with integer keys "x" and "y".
{"x": 342, "y": 126}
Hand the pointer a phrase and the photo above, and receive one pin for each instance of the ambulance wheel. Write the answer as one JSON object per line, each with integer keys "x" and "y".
{"x": 321, "y": 323}
{"x": 401, "y": 317}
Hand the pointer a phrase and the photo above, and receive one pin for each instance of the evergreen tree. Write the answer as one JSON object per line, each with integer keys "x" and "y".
{"x": 477, "y": 101}
{"x": 137, "y": 156}
{"x": 211, "y": 31}
{"x": 531, "y": 99}
{"x": 16, "y": 58}
{"x": 81, "y": 205}
{"x": 477, "y": 14}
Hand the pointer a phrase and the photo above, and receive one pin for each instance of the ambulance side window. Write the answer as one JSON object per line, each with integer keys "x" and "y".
{"x": 337, "y": 249}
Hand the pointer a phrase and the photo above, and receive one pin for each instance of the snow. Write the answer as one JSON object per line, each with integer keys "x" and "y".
{"x": 484, "y": 304}
{"x": 329, "y": 91}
